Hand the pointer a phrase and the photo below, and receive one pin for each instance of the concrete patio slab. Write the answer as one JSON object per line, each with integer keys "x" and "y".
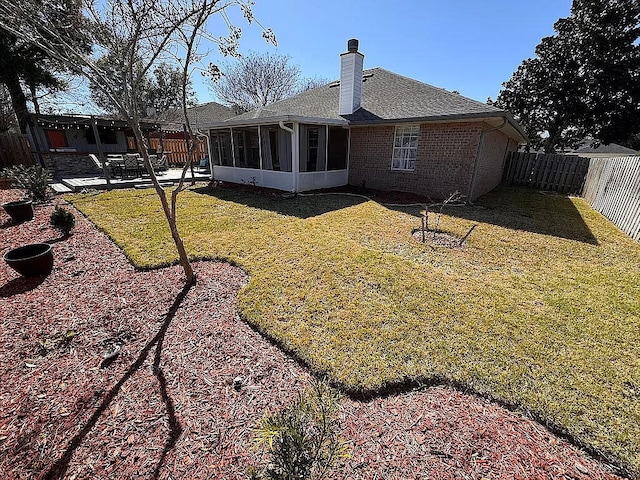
{"x": 169, "y": 177}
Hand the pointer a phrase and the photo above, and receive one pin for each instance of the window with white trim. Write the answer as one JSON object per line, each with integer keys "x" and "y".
{"x": 405, "y": 148}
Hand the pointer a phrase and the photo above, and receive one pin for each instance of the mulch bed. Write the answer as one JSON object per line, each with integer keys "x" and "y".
{"x": 166, "y": 405}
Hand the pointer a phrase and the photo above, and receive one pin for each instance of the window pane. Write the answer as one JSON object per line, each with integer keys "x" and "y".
{"x": 246, "y": 146}
{"x": 221, "y": 147}
{"x": 338, "y": 148}
{"x": 313, "y": 148}
{"x": 269, "y": 138}
{"x": 405, "y": 147}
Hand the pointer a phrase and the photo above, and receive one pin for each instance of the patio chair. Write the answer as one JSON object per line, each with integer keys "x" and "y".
{"x": 132, "y": 164}
{"x": 116, "y": 162}
{"x": 155, "y": 164}
{"x": 163, "y": 163}
{"x": 203, "y": 167}
{"x": 96, "y": 161}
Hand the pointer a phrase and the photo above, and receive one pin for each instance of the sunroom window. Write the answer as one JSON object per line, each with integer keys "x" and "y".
{"x": 313, "y": 148}
{"x": 405, "y": 148}
{"x": 221, "y": 148}
{"x": 246, "y": 146}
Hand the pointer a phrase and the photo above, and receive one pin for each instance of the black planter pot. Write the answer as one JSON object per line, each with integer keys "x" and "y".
{"x": 31, "y": 260}
{"x": 20, "y": 210}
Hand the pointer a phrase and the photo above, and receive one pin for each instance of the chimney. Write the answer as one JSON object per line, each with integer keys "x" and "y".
{"x": 350, "y": 78}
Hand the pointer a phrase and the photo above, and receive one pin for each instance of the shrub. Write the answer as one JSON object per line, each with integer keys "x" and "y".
{"x": 62, "y": 220}
{"x": 33, "y": 178}
{"x": 302, "y": 440}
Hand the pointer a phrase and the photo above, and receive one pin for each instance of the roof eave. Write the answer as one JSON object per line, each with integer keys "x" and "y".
{"x": 511, "y": 127}
{"x": 519, "y": 134}
{"x": 252, "y": 122}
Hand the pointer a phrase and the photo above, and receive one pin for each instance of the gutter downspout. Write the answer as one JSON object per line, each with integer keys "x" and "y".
{"x": 294, "y": 153}
{"x": 475, "y": 164}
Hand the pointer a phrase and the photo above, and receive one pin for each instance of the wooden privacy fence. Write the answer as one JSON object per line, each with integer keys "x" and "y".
{"x": 554, "y": 173}
{"x": 176, "y": 149}
{"x": 612, "y": 188}
{"x": 14, "y": 150}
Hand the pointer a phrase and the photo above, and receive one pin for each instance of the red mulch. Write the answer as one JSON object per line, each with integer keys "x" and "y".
{"x": 166, "y": 404}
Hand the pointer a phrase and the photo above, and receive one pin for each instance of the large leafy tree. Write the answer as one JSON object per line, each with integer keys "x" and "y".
{"x": 25, "y": 67}
{"x": 161, "y": 89}
{"x": 7, "y": 117}
{"x": 165, "y": 92}
{"x": 583, "y": 81}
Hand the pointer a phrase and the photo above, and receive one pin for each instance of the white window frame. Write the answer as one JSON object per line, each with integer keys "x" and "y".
{"x": 405, "y": 148}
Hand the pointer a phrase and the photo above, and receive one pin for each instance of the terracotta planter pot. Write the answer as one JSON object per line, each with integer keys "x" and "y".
{"x": 20, "y": 210}
{"x": 31, "y": 260}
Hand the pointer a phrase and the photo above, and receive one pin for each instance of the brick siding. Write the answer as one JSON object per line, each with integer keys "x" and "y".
{"x": 445, "y": 159}
{"x": 64, "y": 165}
{"x": 495, "y": 147}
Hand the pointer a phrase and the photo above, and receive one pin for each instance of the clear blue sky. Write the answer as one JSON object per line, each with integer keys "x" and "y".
{"x": 467, "y": 45}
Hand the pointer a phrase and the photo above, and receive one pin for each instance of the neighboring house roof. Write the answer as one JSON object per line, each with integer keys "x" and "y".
{"x": 206, "y": 113}
{"x": 210, "y": 112}
{"x": 613, "y": 149}
{"x": 386, "y": 98}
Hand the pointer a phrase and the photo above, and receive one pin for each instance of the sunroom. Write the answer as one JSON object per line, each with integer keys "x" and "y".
{"x": 287, "y": 153}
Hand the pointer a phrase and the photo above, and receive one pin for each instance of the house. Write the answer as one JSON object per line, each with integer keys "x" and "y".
{"x": 63, "y": 142}
{"x": 585, "y": 149}
{"x": 372, "y": 128}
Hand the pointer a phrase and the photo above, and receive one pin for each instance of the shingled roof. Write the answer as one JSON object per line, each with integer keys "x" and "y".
{"x": 207, "y": 113}
{"x": 386, "y": 97}
{"x": 610, "y": 149}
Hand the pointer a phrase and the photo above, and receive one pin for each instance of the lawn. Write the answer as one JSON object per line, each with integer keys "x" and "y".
{"x": 541, "y": 310}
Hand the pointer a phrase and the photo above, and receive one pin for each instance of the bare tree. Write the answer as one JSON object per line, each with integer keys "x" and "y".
{"x": 256, "y": 80}
{"x": 309, "y": 83}
{"x": 139, "y": 35}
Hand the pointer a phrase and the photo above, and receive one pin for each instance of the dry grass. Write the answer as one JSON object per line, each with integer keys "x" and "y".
{"x": 540, "y": 310}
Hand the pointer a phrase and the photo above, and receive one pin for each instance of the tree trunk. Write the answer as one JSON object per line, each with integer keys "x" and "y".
{"x": 555, "y": 132}
{"x": 34, "y": 99}
{"x": 171, "y": 218}
{"x": 18, "y": 101}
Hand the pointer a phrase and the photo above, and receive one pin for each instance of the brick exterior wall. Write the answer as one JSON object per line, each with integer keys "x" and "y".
{"x": 65, "y": 165}
{"x": 495, "y": 146}
{"x": 445, "y": 159}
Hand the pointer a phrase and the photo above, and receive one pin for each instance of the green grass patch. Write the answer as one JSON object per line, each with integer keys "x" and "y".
{"x": 540, "y": 310}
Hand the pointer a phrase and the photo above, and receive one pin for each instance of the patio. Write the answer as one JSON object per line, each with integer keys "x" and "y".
{"x": 169, "y": 177}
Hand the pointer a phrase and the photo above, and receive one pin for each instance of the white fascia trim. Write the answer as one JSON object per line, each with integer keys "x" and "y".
{"x": 275, "y": 120}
